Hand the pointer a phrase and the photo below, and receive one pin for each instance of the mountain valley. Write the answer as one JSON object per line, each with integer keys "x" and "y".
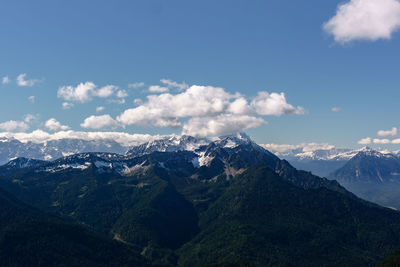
{"x": 225, "y": 201}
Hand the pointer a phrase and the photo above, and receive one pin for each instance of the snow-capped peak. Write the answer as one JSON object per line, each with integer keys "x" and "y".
{"x": 189, "y": 143}
{"x": 367, "y": 151}
{"x": 233, "y": 140}
{"x": 322, "y": 152}
{"x": 171, "y": 143}
{"x": 21, "y": 163}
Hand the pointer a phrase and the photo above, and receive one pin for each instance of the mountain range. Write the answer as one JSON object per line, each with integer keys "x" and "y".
{"x": 320, "y": 161}
{"x": 53, "y": 149}
{"x": 195, "y": 202}
{"x": 324, "y": 161}
{"x": 372, "y": 175}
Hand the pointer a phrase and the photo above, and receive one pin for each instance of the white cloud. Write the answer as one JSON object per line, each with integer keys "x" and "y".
{"x": 166, "y": 110}
{"x": 220, "y": 125}
{"x": 54, "y": 125}
{"x": 158, "y": 89}
{"x": 21, "y": 81}
{"x": 167, "y": 85}
{"x": 67, "y": 105}
{"x": 239, "y": 106}
{"x": 105, "y": 91}
{"x": 365, "y": 141}
{"x": 32, "y": 99}
{"x": 81, "y": 93}
{"x": 99, "y": 122}
{"x": 301, "y": 149}
{"x": 364, "y": 20}
{"x": 5, "y": 80}
{"x": 84, "y": 92}
{"x": 309, "y": 147}
{"x": 396, "y": 141}
{"x": 336, "y": 109}
{"x": 122, "y": 94}
{"x": 274, "y": 104}
{"x": 136, "y": 85}
{"x": 99, "y": 109}
{"x": 146, "y": 115}
{"x": 392, "y": 132}
{"x": 381, "y": 141}
{"x": 14, "y": 126}
{"x": 173, "y": 84}
{"x": 39, "y": 136}
{"x": 280, "y": 148}
{"x": 29, "y": 118}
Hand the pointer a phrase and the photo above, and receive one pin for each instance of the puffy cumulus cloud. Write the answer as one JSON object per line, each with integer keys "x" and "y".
{"x": 274, "y": 104}
{"x": 365, "y": 141}
{"x": 158, "y": 89}
{"x": 54, "y": 125}
{"x": 99, "y": 122}
{"x": 239, "y": 106}
{"x": 14, "y": 126}
{"x": 392, "y": 132}
{"x": 84, "y": 92}
{"x": 81, "y": 93}
{"x": 220, "y": 125}
{"x": 23, "y": 82}
{"x": 5, "y": 80}
{"x": 165, "y": 109}
{"x": 381, "y": 141}
{"x": 40, "y": 136}
{"x": 385, "y": 138}
{"x": 105, "y": 91}
{"x": 172, "y": 84}
{"x": 146, "y": 115}
{"x": 336, "y": 109}
{"x": 364, "y": 20}
{"x": 99, "y": 109}
{"x": 200, "y": 103}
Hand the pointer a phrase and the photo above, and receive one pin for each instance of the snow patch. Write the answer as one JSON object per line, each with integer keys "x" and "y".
{"x": 230, "y": 144}
{"x": 204, "y": 160}
{"x": 62, "y": 167}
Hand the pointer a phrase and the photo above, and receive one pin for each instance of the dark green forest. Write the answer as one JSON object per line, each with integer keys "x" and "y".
{"x": 246, "y": 208}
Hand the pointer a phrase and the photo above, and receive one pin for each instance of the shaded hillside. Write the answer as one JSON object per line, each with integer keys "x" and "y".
{"x": 391, "y": 261}
{"x": 31, "y": 238}
{"x": 226, "y": 203}
{"x": 264, "y": 220}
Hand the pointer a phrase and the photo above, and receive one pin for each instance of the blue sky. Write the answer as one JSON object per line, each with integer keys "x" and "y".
{"x": 241, "y": 46}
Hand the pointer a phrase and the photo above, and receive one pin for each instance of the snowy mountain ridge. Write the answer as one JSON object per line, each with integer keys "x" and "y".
{"x": 54, "y": 149}
{"x": 329, "y": 154}
{"x": 191, "y": 152}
